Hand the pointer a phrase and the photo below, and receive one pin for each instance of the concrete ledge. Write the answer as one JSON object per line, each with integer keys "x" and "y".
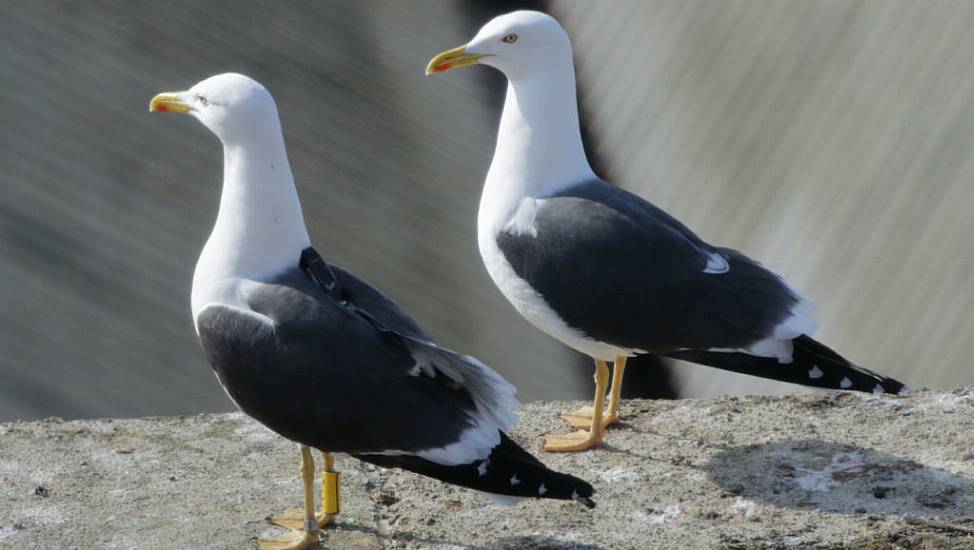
{"x": 823, "y": 470}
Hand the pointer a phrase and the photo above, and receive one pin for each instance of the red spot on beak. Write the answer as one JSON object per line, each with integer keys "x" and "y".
{"x": 442, "y": 68}
{"x": 161, "y": 107}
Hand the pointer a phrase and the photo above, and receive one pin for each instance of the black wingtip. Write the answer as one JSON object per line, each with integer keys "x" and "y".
{"x": 509, "y": 470}
{"x": 813, "y": 364}
{"x": 586, "y": 501}
{"x": 853, "y": 377}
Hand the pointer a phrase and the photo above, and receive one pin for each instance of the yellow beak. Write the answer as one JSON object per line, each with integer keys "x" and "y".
{"x": 457, "y": 57}
{"x": 168, "y": 102}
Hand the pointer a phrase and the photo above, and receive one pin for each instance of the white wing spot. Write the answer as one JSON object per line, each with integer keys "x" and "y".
{"x": 815, "y": 373}
{"x": 716, "y": 264}
{"x": 514, "y": 480}
{"x": 845, "y": 383}
{"x": 423, "y": 363}
{"x": 542, "y": 489}
{"x": 879, "y": 389}
{"x": 574, "y": 495}
{"x": 482, "y": 469}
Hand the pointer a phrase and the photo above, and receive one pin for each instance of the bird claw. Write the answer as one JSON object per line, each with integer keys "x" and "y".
{"x": 292, "y": 540}
{"x": 582, "y": 418}
{"x": 293, "y": 518}
{"x": 572, "y": 442}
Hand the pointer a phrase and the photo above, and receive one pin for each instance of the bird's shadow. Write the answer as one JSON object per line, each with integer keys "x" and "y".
{"x": 535, "y": 542}
{"x": 811, "y": 473}
{"x": 508, "y": 543}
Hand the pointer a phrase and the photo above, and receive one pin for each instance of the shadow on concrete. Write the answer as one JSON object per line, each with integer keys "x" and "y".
{"x": 811, "y": 473}
{"x": 535, "y": 542}
{"x": 529, "y": 542}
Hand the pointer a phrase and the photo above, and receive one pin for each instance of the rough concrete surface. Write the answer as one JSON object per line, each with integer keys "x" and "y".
{"x": 818, "y": 470}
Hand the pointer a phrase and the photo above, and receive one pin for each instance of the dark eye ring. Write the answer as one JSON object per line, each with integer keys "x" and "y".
{"x": 203, "y": 100}
{"x": 510, "y": 39}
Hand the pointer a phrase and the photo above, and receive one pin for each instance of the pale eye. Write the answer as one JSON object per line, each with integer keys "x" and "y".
{"x": 203, "y": 100}
{"x": 510, "y": 39}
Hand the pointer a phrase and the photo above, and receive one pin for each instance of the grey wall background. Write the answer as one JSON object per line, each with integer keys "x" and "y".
{"x": 105, "y": 207}
{"x": 829, "y": 139}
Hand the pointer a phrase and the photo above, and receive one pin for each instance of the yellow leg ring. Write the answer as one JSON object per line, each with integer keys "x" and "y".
{"x": 330, "y": 494}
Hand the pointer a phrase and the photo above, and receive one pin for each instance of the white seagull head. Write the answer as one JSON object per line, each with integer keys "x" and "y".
{"x": 520, "y": 44}
{"x": 539, "y": 145}
{"x": 259, "y": 230}
{"x": 233, "y": 106}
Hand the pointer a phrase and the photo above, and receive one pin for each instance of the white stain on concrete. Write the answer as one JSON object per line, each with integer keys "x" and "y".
{"x": 658, "y": 517}
{"x": 615, "y": 475}
{"x": 824, "y": 480}
{"x": 950, "y": 402}
{"x": 744, "y": 507}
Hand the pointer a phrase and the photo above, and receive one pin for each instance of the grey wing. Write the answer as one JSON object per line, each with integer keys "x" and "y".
{"x": 624, "y": 272}
{"x": 318, "y": 372}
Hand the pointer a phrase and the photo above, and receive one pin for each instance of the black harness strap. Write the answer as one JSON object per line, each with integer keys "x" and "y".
{"x": 320, "y": 272}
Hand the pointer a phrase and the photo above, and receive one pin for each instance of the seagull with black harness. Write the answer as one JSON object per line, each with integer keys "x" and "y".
{"x": 321, "y": 357}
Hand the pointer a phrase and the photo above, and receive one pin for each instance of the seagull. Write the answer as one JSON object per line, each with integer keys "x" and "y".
{"x": 605, "y": 271}
{"x": 321, "y": 357}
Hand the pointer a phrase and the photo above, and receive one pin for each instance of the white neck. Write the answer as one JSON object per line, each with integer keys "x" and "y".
{"x": 539, "y": 144}
{"x": 259, "y": 230}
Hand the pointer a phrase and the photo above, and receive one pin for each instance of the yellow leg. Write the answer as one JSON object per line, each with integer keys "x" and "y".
{"x": 307, "y": 535}
{"x": 582, "y": 440}
{"x": 615, "y": 395}
{"x": 330, "y": 494}
{"x": 582, "y": 418}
